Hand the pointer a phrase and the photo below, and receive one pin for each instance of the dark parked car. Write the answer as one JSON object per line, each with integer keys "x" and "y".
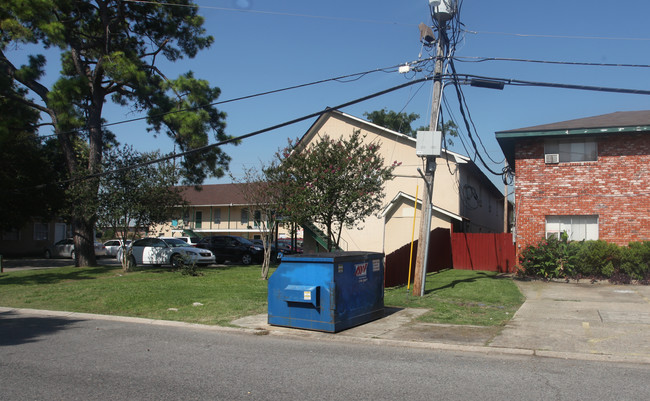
{"x": 232, "y": 248}
{"x": 283, "y": 248}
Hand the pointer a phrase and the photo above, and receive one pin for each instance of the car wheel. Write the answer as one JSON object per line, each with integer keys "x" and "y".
{"x": 47, "y": 254}
{"x": 177, "y": 261}
{"x": 246, "y": 259}
{"x": 131, "y": 262}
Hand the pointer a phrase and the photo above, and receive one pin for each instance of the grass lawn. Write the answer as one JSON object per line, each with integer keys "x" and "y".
{"x": 462, "y": 297}
{"x": 227, "y": 293}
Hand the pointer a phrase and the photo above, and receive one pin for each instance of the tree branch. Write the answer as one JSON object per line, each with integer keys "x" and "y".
{"x": 36, "y": 87}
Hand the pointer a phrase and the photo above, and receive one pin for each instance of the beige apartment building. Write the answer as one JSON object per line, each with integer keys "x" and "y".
{"x": 464, "y": 199}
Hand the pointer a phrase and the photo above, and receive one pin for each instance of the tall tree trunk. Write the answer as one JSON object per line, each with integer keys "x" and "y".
{"x": 85, "y": 209}
{"x": 329, "y": 234}
{"x": 84, "y": 240}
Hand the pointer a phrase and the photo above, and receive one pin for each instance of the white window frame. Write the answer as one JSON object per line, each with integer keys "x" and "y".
{"x": 577, "y": 227}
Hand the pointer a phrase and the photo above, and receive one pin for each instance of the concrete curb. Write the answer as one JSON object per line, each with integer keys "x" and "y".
{"x": 304, "y": 334}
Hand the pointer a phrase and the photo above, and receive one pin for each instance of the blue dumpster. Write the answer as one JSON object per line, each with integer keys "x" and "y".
{"x": 329, "y": 291}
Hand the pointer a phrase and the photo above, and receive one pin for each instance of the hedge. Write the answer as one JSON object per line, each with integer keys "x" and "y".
{"x": 597, "y": 260}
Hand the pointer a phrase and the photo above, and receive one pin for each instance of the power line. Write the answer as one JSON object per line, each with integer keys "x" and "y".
{"x": 284, "y": 14}
{"x": 245, "y": 136}
{"x": 467, "y": 59}
{"x": 516, "y": 82}
{"x": 358, "y": 75}
{"x": 527, "y": 35}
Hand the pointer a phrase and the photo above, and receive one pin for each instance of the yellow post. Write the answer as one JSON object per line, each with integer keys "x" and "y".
{"x": 415, "y": 211}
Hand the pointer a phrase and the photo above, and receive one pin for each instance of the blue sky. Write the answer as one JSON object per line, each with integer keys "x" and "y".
{"x": 261, "y": 45}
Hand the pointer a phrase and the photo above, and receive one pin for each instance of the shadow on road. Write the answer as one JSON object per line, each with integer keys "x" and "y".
{"x": 18, "y": 329}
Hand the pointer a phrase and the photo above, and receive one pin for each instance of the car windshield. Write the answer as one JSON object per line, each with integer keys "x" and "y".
{"x": 244, "y": 241}
{"x": 174, "y": 242}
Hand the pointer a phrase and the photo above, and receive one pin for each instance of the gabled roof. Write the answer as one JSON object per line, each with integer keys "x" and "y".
{"x": 393, "y": 203}
{"x": 320, "y": 121}
{"x": 214, "y": 195}
{"x": 605, "y": 124}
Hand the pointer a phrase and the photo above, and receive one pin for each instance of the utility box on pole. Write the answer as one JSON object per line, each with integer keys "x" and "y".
{"x": 428, "y": 143}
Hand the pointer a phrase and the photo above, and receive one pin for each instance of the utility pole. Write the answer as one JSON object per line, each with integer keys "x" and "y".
{"x": 422, "y": 259}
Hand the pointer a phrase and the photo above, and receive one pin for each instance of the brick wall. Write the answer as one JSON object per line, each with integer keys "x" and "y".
{"x": 616, "y": 187}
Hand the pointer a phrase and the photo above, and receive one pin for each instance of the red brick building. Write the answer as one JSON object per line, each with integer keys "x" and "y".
{"x": 588, "y": 177}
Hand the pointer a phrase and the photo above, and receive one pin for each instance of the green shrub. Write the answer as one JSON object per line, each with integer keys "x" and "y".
{"x": 555, "y": 258}
{"x": 551, "y": 258}
{"x": 596, "y": 258}
{"x": 636, "y": 260}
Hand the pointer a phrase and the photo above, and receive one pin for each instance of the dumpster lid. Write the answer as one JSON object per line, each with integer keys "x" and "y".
{"x": 330, "y": 256}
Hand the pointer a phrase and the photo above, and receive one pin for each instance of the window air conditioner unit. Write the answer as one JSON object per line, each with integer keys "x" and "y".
{"x": 551, "y": 158}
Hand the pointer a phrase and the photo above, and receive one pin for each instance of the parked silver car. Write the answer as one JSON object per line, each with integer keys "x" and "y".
{"x": 65, "y": 249}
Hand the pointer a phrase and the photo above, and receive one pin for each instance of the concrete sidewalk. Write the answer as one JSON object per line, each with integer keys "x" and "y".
{"x": 563, "y": 320}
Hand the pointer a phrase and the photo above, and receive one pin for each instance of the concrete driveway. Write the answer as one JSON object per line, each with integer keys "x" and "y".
{"x": 581, "y": 318}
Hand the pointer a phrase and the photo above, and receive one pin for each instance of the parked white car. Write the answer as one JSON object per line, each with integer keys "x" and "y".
{"x": 191, "y": 241}
{"x": 156, "y": 251}
{"x": 113, "y": 245}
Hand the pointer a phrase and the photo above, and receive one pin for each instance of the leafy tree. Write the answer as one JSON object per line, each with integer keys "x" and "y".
{"x": 264, "y": 196}
{"x": 136, "y": 198}
{"x": 334, "y": 183}
{"x": 25, "y": 163}
{"x": 111, "y": 50}
{"x": 400, "y": 122}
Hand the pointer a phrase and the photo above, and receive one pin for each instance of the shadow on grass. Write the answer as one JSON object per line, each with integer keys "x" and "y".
{"x": 479, "y": 276}
{"x": 55, "y": 276}
{"x": 225, "y": 267}
{"x": 170, "y": 269}
{"x": 16, "y": 329}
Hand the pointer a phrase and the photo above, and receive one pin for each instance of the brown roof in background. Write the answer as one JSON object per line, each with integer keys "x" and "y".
{"x": 611, "y": 120}
{"x": 216, "y": 194}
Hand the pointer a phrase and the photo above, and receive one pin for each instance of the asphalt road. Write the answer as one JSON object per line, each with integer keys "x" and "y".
{"x": 53, "y": 358}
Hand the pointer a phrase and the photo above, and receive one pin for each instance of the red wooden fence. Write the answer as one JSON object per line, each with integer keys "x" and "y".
{"x": 491, "y": 252}
{"x": 397, "y": 263}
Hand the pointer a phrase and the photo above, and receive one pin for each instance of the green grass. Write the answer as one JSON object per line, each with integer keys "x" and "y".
{"x": 462, "y": 297}
{"x": 227, "y": 293}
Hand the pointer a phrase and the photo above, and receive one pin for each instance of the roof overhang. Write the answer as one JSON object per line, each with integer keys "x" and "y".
{"x": 393, "y": 204}
{"x": 617, "y": 123}
{"x": 369, "y": 126}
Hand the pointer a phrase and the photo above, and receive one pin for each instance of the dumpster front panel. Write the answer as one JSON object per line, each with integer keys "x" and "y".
{"x": 327, "y": 292}
{"x": 300, "y": 296}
